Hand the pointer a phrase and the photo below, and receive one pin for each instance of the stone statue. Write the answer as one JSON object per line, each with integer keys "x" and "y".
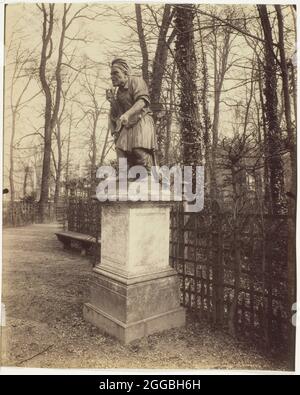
{"x": 130, "y": 117}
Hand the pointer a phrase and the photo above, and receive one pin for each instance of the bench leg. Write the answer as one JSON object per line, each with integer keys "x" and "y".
{"x": 85, "y": 248}
{"x": 83, "y": 251}
{"x": 67, "y": 244}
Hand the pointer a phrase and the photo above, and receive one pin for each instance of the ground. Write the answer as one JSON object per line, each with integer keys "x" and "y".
{"x": 44, "y": 288}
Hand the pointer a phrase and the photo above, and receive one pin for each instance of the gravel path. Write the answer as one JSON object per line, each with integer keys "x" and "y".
{"x": 44, "y": 288}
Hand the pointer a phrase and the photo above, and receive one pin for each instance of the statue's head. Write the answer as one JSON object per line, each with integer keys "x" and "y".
{"x": 120, "y": 71}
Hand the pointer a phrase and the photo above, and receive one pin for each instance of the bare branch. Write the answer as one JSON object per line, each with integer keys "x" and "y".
{"x": 226, "y": 22}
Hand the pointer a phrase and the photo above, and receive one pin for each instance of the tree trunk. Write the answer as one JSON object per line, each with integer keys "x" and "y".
{"x": 68, "y": 147}
{"x": 292, "y": 184}
{"x": 59, "y": 163}
{"x": 187, "y": 68}
{"x": 170, "y": 117}
{"x": 160, "y": 59}
{"x": 267, "y": 190}
{"x": 104, "y": 146}
{"x": 27, "y": 170}
{"x": 158, "y": 70}
{"x": 294, "y": 87}
{"x": 50, "y": 116}
{"x": 45, "y": 55}
{"x": 220, "y": 66}
{"x": 205, "y": 116}
{"x": 277, "y": 199}
{"x": 143, "y": 44}
{"x": 94, "y": 149}
{"x": 11, "y": 153}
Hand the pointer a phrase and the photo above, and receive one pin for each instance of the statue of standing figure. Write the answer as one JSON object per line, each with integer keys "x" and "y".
{"x": 131, "y": 117}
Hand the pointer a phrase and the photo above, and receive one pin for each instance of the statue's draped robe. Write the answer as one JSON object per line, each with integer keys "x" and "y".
{"x": 140, "y": 133}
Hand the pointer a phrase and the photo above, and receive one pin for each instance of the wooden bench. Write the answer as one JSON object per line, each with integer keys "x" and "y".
{"x": 85, "y": 241}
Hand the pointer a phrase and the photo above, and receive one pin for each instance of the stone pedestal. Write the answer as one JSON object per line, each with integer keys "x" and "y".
{"x": 134, "y": 291}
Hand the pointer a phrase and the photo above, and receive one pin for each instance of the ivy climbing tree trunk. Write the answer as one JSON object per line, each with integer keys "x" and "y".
{"x": 206, "y": 125}
{"x": 187, "y": 72}
{"x": 276, "y": 200}
{"x": 292, "y": 182}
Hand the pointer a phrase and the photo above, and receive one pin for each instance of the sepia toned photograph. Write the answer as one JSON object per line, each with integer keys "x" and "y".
{"x": 149, "y": 173}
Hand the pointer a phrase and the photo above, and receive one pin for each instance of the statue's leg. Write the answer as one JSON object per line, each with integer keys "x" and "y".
{"x": 120, "y": 153}
{"x": 130, "y": 156}
{"x": 143, "y": 157}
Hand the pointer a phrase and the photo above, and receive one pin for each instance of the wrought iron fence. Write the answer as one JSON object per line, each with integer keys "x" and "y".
{"x": 84, "y": 216}
{"x": 234, "y": 272}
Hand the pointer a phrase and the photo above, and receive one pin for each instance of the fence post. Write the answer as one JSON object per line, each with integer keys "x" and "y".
{"x": 218, "y": 270}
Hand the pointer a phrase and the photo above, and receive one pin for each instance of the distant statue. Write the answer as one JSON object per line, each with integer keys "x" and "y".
{"x": 130, "y": 117}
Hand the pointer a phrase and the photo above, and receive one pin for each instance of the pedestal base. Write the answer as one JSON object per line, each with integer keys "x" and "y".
{"x": 130, "y": 310}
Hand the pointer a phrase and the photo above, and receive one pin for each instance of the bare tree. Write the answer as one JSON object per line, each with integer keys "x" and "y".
{"x": 164, "y": 42}
{"x": 221, "y": 44}
{"x": 22, "y": 72}
{"x": 92, "y": 111}
{"x": 60, "y": 139}
{"x": 286, "y": 94}
{"x": 53, "y": 89}
{"x": 51, "y": 109}
{"x": 151, "y": 24}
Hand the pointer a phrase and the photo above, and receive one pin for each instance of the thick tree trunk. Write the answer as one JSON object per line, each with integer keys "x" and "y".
{"x": 187, "y": 68}
{"x": 206, "y": 124}
{"x": 277, "y": 203}
{"x": 45, "y": 55}
{"x": 46, "y": 165}
{"x": 50, "y": 116}
{"x": 287, "y": 101}
{"x": 155, "y": 81}
{"x": 292, "y": 183}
